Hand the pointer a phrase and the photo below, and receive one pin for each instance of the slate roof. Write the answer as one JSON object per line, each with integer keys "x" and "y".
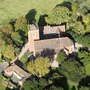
{"x": 56, "y": 43}
{"x": 3, "y": 66}
{"x": 16, "y": 73}
{"x": 53, "y": 29}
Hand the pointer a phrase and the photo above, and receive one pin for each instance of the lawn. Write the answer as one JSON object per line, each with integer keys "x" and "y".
{"x": 14, "y": 8}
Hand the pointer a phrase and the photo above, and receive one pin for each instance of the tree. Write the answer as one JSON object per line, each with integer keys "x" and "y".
{"x": 78, "y": 17}
{"x": 78, "y": 27}
{"x": 72, "y": 70}
{"x": 74, "y": 14}
{"x": 86, "y": 19}
{"x": 39, "y": 67}
{"x": 84, "y": 6}
{"x": 6, "y": 45}
{"x": 17, "y": 38}
{"x": 85, "y": 56}
{"x": 21, "y": 24}
{"x": 8, "y": 52}
{"x": 58, "y": 15}
{"x": 85, "y": 59}
{"x": 79, "y": 7}
{"x": 25, "y": 57}
{"x": 2, "y": 42}
{"x": 6, "y": 33}
{"x": 82, "y": 39}
{"x": 7, "y": 29}
{"x": 84, "y": 88}
{"x": 52, "y": 87}
{"x": 30, "y": 85}
{"x": 75, "y": 7}
{"x": 42, "y": 83}
{"x": 35, "y": 84}
{"x": 61, "y": 57}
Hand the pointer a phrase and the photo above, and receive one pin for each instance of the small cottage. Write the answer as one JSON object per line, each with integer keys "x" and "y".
{"x": 16, "y": 73}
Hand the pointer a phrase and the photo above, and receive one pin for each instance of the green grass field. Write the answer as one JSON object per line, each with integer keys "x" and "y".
{"x": 10, "y": 9}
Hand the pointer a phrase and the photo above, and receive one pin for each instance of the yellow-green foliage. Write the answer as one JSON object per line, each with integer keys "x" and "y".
{"x": 39, "y": 67}
{"x": 78, "y": 28}
{"x": 8, "y": 52}
{"x": 58, "y": 15}
{"x": 21, "y": 24}
{"x": 86, "y": 19}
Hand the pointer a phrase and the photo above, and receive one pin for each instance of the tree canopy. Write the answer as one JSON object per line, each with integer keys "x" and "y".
{"x": 72, "y": 70}
{"x": 39, "y": 67}
{"x": 8, "y": 52}
{"x": 21, "y": 24}
{"x": 58, "y": 15}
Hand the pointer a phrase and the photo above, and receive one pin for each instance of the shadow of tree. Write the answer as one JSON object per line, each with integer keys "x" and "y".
{"x": 58, "y": 82}
{"x": 23, "y": 38}
{"x": 74, "y": 56}
{"x": 30, "y": 16}
{"x": 48, "y": 53}
{"x": 61, "y": 82}
{"x": 66, "y": 4}
{"x": 42, "y": 21}
{"x": 73, "y": 88}
{"x": 85, "y": 82}
{"x": 12, "y": 23}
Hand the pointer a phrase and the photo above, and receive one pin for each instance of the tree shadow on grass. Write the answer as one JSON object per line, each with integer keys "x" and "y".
{"x": 30, "y": 16}
{"x": 66, "y": 4}
{"x": 42, "y": 21}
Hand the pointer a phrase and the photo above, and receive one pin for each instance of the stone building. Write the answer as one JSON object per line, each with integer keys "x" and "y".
{"x": 48, "y": 37}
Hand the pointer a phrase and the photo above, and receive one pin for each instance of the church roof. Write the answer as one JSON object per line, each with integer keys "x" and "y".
{"x": 56, "y": 43}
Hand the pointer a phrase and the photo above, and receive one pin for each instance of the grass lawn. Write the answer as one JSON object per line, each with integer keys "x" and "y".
{"x": 87, "y": 69}
{"x": 14, "y": 8}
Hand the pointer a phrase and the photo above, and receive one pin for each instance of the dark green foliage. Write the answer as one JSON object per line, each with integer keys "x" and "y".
{"x": 29, "y": 85}
{"x": 61, "y": 57}
{"x": 17, "y": 38}
{"x": 52, "y": 87}
{"x": 82, "y": 39}
{"x": 84, "y": 88}
{"x": 25, "y": 57}
{"x": 72, "y": 70}
{"x": 21, "y": 25}
{"x": 84, "y": 56}
{"x": 35, "y": 84}
{"x": 79, "y": 16}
